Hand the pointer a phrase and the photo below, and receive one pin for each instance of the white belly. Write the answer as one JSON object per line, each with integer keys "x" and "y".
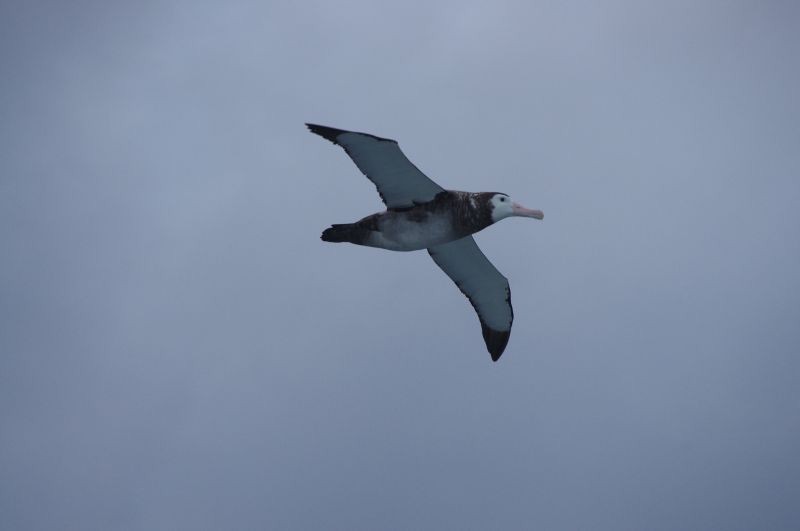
{"x": 398, "y": 233}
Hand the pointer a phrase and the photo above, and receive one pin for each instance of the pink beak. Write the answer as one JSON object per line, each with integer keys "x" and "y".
{"x": 520, "y": 210}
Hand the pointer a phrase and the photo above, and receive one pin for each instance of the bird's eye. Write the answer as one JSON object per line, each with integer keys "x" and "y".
{"x": 502, "y": 199}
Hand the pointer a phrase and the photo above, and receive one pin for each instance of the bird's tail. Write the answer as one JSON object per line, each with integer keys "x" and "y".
{"x": 345, "y": 232}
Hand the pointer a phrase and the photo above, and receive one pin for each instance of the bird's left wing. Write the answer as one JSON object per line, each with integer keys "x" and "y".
{"x": 484, "y": 286}
{"x": 399, "y": 183}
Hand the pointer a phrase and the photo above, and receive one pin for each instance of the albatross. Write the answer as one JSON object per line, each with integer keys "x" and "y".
{"x": 420, "y": 214}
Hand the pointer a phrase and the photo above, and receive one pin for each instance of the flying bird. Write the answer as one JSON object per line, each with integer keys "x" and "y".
{"x": 420, "y": 214}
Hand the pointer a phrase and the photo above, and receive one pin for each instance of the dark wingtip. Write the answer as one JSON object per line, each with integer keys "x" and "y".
{"x": 331, "y": 133}
{"x": 328, "y": 133}
{"x": 496, "y": 341}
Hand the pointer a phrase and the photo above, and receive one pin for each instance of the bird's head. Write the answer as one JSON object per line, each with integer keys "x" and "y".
{"x": 503, "y": 207}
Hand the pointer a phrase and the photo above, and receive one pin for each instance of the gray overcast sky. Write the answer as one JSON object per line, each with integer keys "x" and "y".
{"x": 179, "y": 350}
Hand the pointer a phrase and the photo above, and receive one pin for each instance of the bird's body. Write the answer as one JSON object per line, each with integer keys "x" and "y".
{"x": 422, "y": 215}
{"x": 451, "y": 215}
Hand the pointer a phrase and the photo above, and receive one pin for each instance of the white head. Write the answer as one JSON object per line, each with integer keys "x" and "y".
{"x": 503, "y": 207}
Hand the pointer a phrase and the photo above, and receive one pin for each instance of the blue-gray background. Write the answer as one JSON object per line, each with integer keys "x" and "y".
{"x": 180, "y": 351}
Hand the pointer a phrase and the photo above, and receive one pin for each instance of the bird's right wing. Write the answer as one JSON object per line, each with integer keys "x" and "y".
{"x": 399, "y": 183}
{"x": 484, "y": 286}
